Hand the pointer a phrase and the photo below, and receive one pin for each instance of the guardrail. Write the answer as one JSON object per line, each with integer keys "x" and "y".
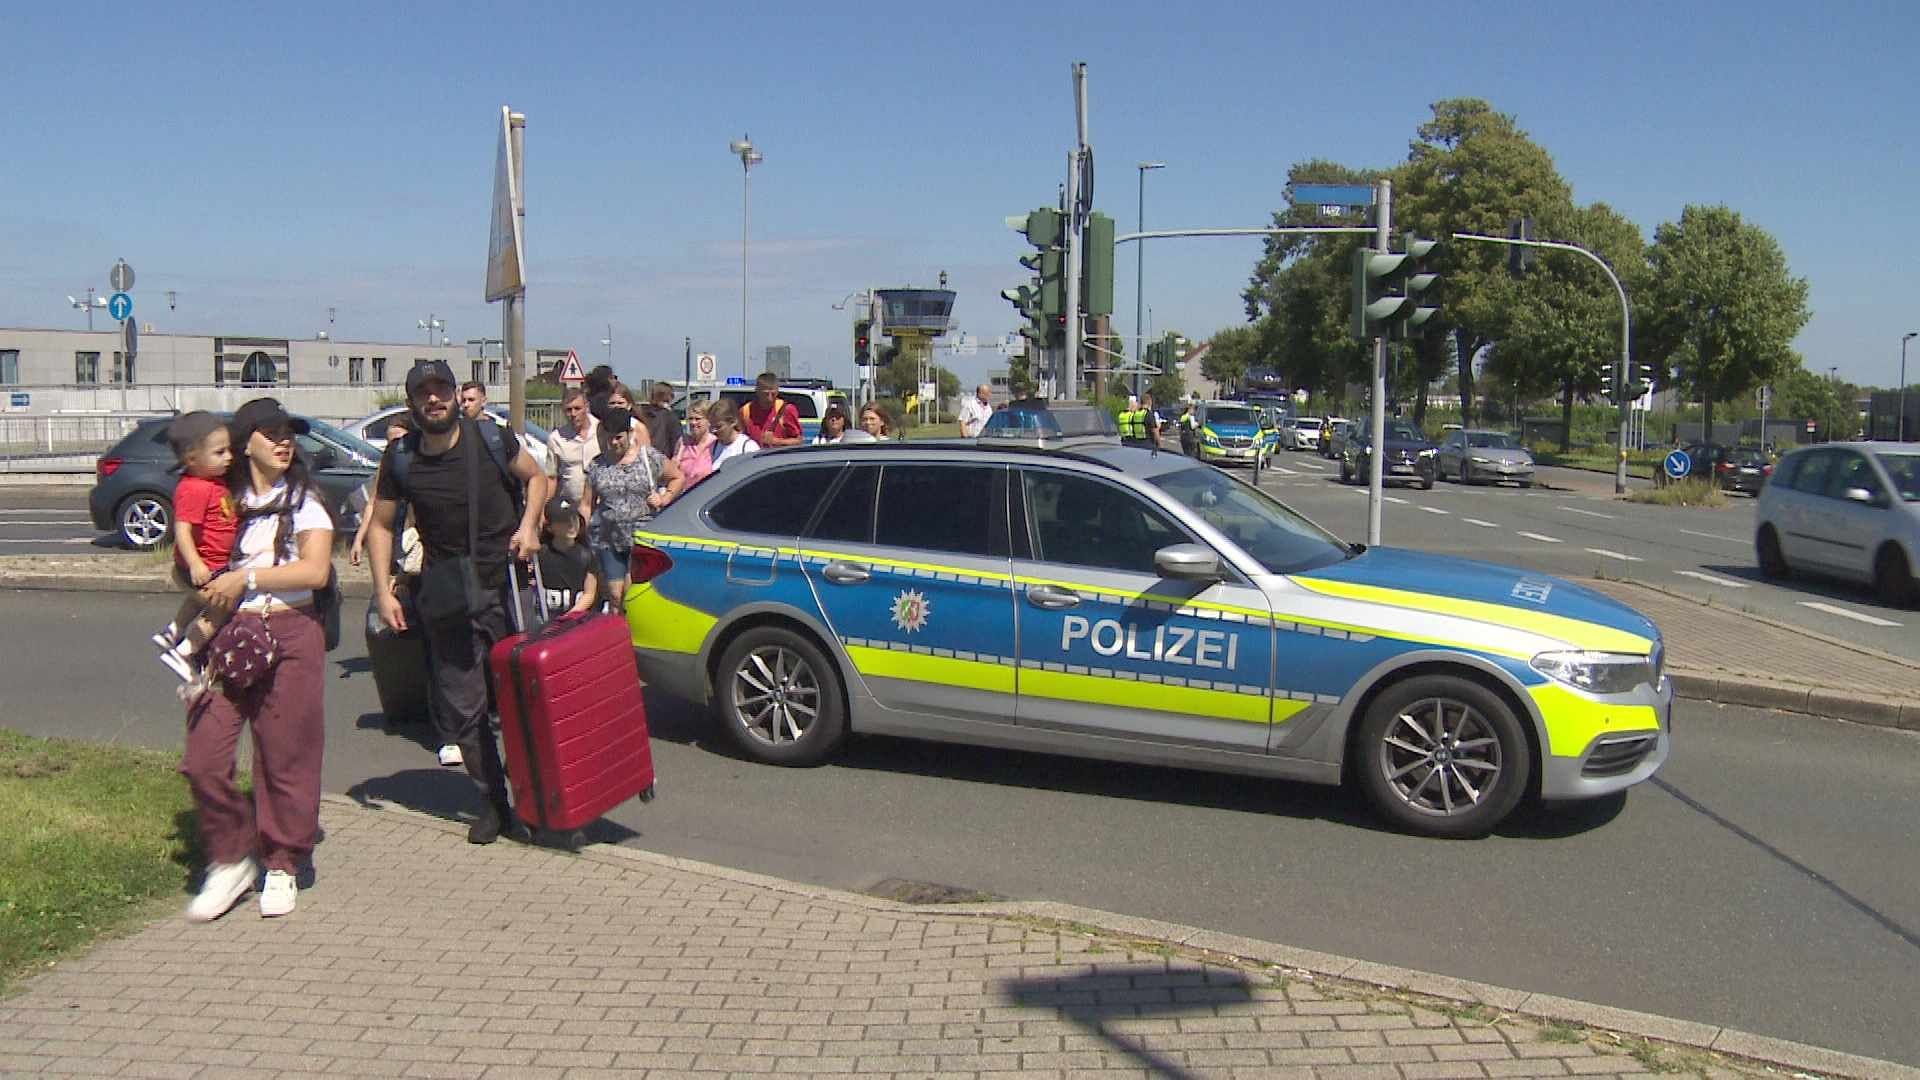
{"x": 61, "y": 442}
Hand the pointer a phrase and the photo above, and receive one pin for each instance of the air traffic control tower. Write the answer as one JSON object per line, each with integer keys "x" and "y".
{"x": 913, "y": 318}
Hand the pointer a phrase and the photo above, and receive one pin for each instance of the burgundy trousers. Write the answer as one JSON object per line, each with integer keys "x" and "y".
{"x": 288, "y": 719}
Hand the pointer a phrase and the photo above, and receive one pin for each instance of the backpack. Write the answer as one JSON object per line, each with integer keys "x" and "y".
{"x": 400, "y": 464}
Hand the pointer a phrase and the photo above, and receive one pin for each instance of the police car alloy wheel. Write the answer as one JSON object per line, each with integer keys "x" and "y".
{"x": 779, "y": 698}
{"x": 1442, "y": 755}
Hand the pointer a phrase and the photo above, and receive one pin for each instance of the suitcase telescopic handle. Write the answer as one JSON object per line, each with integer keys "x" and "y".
{"x": 539, "y": 594}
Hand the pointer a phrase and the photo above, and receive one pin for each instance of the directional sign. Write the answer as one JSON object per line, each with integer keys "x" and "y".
{"x": 120, "y": 305}
{"x": 130, "y": 338}
{"x": 1677, "y": 464}
{"x": 121, "y": 278}
{"x": 570, "y": 370}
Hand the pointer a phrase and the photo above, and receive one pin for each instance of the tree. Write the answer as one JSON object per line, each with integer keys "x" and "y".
{"x": 1723, "y": 308}
{"x": 1233, "y": 352}
{"x": 1020, "y": 381}
{"x": 1802, "y": 395}
{"x": 1300, "y": 291}
{"x": 1471, "y": 169}
{"x": 1167, "y": 387}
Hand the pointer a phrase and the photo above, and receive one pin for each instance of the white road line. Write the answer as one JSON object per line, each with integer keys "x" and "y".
{"x": 54, "y": 540}
{"x": 37, "y": 524}
{"x": 1542, "y": 539}
{"x": 1394, "y": 499}
{"x": 1435, "y": 510}
{"x": 1614, "y": 555}
{"x": 1589, "y": 513}
{"x": 37, "y": 510}
{"x": 1482, "y": 524}
{"x": 1712, "y": 579}
{"x": 1871, "y": 620}
{"x": 1715, "y": 536}
{"x": 1283, "y": 470}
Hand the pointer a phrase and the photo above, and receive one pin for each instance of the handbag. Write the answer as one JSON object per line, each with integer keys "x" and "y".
{"x": 242, "y": 652}
{"x": 450, "y": 589}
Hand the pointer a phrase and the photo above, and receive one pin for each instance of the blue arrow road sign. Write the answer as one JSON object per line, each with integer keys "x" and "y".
{"x": 1678, "y": 464}
{"x": 120, "y": 305}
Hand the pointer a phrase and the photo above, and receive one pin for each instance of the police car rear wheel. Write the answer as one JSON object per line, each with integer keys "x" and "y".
{"x": 779, "y": 698}
{"x": 1443, "y": 756}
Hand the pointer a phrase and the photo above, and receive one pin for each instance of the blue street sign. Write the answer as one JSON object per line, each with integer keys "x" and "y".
{"x": 1677, "y": 464}
{"x": 20, "y": 400}
{"x": 1332, "y": 194}
{"x": 120, "y": 305}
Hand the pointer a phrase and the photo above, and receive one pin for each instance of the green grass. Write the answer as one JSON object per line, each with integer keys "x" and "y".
{"x": 1680, "y": 493}
{"x": 95, "y": 836}
{"x": 950, "y": 430}
{"x": 1640, "y": 464}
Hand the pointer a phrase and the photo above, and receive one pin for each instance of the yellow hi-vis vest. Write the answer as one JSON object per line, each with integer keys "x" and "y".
{"x": 1133, "y": 425}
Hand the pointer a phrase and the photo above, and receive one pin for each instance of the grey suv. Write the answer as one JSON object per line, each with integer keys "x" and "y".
{"x": 133, "y": 481}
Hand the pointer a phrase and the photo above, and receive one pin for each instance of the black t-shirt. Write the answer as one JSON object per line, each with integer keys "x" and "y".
{"x": 564, "y": 573}
{"x": 437, "y": 493}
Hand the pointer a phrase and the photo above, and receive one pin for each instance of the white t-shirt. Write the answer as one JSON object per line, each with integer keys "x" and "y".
{"x": 739, "y": 447}
{"x": 256, "y": 540}
{"x": 973, "y": 416}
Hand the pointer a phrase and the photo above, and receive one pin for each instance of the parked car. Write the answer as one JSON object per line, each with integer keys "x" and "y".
{"x": 372, "y": 429}
{"x": 1486, "y": 457}
{"x": 1408, "y": 457}
{"x": 1848, "y": 510}
{"x": 1306, "y": 433}
{"x": 1733, "y": 468}
{"x": 133, "y": 481}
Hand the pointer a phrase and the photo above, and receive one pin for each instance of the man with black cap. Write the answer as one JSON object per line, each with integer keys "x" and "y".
{"x": 476, "y": 496}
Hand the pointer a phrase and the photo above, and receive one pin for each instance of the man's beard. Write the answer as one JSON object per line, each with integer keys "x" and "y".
{"x": 436, "y": 427}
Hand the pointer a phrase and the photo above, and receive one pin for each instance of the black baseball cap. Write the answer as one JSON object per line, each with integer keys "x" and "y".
{"x": 562, "y": 510}
{"x": 421, "y": 374}
{"x": 263, "y": 414}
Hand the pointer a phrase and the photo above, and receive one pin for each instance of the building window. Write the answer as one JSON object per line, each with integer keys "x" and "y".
{"x": 259, "y": 370}
{"x": 476, "y": 371}
{"x": 122, "y": 369}
{"x": 86, "y": 368}
{"x": 9, "y": 367}
{"x": 356, "y": 369}
{"x": 379, "y": 369}
{"x": 493, "y": 373}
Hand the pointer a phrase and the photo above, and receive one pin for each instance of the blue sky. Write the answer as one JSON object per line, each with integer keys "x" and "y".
{"x": 270, "y": 163}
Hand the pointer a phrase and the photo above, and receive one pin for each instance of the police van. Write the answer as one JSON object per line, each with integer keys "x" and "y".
{"x": 809, "y": 397}
{"x": 1138, "y": 606}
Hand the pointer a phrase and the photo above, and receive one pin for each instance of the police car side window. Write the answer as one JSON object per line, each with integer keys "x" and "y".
{"x": 802, "y": 404}
{"x": 778, "y": 503}
{"x": 1080, "y": 521}
{"x": 848, "y": 517}
{"x": 939, "y": 508}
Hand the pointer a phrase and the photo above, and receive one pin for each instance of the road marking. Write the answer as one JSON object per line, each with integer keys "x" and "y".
{"x": 1871, "y": 620}
{"x": 1283, "y": 470}
{"x": 1715, "y": 536}
{"x": 37, "y": 510}
{"x": 53, "y": 540}
{"x": 1482, "y": 524}
{"x": 1712, "y": 579}
{"x": 1615, "y": 555}
{"x": 1542, "y": 539}
{"x": 36, "y": 524}
{"x": 1394, "y": 499}
{"x": 1435, "y": 510}
{"x": 1589, "y": 513}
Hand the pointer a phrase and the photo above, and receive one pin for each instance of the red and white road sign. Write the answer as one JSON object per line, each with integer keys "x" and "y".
{"x": 570, "y": 371}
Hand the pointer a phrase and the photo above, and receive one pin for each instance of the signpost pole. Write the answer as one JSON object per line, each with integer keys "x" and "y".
{"x": 514, "y": 313}
{"x": 687, "y": 386}
{"x": 1376, "y": 457}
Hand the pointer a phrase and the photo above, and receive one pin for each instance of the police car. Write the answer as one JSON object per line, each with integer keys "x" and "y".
{"x": 1230, "y": 433}
{"x": 1133, "y": 605}
{"x": 809, "y": 397}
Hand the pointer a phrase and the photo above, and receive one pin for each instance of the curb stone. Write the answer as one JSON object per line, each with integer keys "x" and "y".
{"x": 1838, "y": 643}
{"x": 1602, "y": 1018}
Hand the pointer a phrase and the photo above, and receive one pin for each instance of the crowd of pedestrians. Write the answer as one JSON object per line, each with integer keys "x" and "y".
{"x": 455, "y": 502}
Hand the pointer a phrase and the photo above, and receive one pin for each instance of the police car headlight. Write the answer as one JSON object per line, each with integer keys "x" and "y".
{"x": 1596, "y": 672}
{"x": 1430, "y": 451}
{"x": 1210, "y": 439}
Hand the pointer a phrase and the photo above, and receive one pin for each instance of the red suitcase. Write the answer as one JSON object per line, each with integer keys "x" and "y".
{"x": 572, "y": 720}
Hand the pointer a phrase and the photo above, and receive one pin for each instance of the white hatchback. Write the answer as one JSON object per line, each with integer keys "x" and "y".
{"x": 1850, "y": 510}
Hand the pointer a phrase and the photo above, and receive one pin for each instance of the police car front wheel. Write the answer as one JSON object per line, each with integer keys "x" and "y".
{"x": 779, "y": 697}
{"x": 1443, "y": 756}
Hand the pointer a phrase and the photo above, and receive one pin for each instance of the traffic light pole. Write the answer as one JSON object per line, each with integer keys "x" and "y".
{"x": 1626, "y": 336}
{"x": 1079, "y": 205}
{"x": 1377, "y": 455}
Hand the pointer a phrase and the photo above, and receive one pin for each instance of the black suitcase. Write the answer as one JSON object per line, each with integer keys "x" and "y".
{"x": 399, "y": 665}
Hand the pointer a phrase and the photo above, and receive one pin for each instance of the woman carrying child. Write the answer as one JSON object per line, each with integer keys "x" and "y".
{"x": 203, "y": 527}
{"x": 269, "y": 663}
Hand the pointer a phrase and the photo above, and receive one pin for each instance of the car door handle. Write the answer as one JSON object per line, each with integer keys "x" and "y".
{"x": 846, "y": 573}
{"x": 1051, "y": 598}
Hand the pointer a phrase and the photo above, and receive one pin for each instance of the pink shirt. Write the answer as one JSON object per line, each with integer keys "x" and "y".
{"x": 695, "y": 459}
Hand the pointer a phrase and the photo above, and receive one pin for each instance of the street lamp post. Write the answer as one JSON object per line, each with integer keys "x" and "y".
{"x": 88, "y": 304}
{"x": 430, "y": 324}
{"x": 749, "y": 157}
{"x": 1902, "y": 422}
{"x": 1139, "y": 276}
{"x": 608, "y": 342}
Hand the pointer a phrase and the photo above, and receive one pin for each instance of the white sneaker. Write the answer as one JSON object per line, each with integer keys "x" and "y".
{"x": 278, "y": 895}
{"x": 226, "y": 883}
{"x": 177, "y": 663}
{"x": 450, "y": 755}
{"x": 167, "y": 638}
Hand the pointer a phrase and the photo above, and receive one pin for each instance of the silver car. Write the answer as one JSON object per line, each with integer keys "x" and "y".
{"x": 1849, "y": 510}
{"x": 1484, "y": 457}
{"x": 1131, "y": 605}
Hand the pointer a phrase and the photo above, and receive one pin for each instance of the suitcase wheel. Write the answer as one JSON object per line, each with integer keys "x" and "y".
{"x": 573, "y": 841}
{"x": 647, "y": 795}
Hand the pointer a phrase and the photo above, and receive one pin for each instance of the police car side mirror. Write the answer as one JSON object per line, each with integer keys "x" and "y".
{"x": 1188, "y": 562}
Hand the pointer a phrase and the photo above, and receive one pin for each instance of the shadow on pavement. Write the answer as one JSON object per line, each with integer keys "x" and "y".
{"x": 1093, "y": 1000}
{"x": 450, "y": 794}
{"x": 420, "y": 734}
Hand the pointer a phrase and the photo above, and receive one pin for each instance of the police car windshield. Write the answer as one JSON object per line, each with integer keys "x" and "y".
{"x": 1231, "y": 416}
{"x": 1282, "y": 541}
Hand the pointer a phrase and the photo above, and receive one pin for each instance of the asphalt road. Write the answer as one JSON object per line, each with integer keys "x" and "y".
{"x": 1764, "y": 880}
{"x": 49, "y": 521}
{"x": 1702, "y": 552}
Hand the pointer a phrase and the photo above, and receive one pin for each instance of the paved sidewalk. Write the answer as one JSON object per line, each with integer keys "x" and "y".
{"x": 416, "y": 954}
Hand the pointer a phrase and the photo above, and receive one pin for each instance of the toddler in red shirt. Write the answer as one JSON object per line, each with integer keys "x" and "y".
{"x": 204, "y": 524}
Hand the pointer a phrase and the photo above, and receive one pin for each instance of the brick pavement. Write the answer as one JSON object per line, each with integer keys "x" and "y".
{"x": 416, "y": 954}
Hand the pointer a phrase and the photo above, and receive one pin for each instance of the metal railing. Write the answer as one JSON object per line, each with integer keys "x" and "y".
{"x": 61, "y": 442}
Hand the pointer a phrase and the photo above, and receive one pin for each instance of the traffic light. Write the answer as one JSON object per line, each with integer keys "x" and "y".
{"x": 1043, "y": 301}
{"x": 1639, "y": 381}
{"x": 1519, "y": 259}
{"x": 1417, "y": 286}
{"x": 1378, "y": 302}
{"x": 1096, "y": 291}
{"x": 862, "y": 343}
